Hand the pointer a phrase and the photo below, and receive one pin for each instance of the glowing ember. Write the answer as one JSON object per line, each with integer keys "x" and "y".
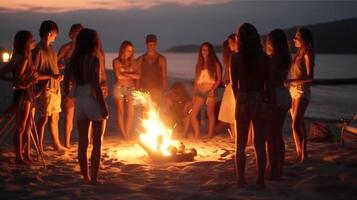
{"x": 156, "y": 135}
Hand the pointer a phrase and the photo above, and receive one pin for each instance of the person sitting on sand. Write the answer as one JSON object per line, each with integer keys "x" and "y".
{"x": 301, "y": 75}
{"x": 126, "y": 75}
{"x": 24, "y": 78}
{"x": 91, "y": 108}
{"x": 207, "y": 79}
{"x": 250, "y": 81}
{"x": 277, "y": 48}
{"x": 177, "y": 108}
{"x": 152, "y": 71}
{"x": 64, "y": 55}
{"x": 48, "y": 104}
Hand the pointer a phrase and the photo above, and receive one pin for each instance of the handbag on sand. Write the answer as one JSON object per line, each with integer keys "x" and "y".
{"x": 228, "y": 106}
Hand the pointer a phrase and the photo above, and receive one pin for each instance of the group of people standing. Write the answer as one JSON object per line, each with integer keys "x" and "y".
{"x": 256, "y": 77}
{"x": 266, "y": 84}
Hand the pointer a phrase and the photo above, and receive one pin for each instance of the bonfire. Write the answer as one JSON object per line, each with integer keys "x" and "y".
{"x": 156, "y": 137}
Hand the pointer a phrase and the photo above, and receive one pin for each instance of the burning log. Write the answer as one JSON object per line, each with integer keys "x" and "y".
{"x": 156, "y": 136}
{"x": 180, "y": 155}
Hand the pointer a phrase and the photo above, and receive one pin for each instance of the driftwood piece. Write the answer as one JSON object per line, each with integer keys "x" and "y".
{"x": 188, "y": 155}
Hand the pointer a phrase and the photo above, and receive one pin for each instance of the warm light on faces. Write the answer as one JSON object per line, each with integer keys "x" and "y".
{"x": 205, "y": 51}
{"x": 129, "y": 52}
{"x": 297, "y": 40}
{"x": 151, "y": 46}
{"x": 31, "y": 43}
{"x": 52, "y": 36}
{"x": 269, "y": 48}
{"x": 233, "y": 45}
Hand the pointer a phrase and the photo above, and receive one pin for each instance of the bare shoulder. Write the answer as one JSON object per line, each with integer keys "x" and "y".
{"x": 161, "y": 57}
{"x": 115, "y": 61}
{"x": 66, "y": 46}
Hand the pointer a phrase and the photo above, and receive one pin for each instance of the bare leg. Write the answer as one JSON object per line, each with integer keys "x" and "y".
{"x": 232, "y": 128}
{"x": 243, "y": 123}
{"x": 121, "y": 109}
{"x": 68, "y": 123}
{"x": 54, "y": 132}
{"x": 196, "y": 107}
{"x": 130, "y": 117}
{"x": 302, "y": 109}
{"x": 259, "y": 125}
{"x": 28, "y": 133}
{"x": 295, "y": 128}
{"x": 299, "y": 108}
{"x": 41, "y": 130}
{"x": 83, "y": 131}
{"x": 97, "y": 134}
{"x": 280, "y": 140}
{"x": 22, "y": 114}
{"x": 211, "y": 105}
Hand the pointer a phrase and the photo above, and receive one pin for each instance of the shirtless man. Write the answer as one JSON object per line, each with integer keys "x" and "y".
{"x": 152, "y": 70}
{"x": 64, "y": 55}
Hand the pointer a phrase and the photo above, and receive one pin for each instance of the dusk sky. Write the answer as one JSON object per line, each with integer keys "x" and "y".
{"x": 175, "y": 22}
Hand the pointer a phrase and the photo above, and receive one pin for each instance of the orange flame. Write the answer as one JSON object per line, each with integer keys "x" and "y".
{"x": 156, "y": 135}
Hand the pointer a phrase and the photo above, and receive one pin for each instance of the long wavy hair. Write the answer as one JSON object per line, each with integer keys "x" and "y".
{"x": 211, "y": 61}
{"x": 122, "y": 49}
{"x": 226, "y": 53}
{"x": 249, "y": 44}
{"x": 22, "y": 43}
{"x": 307, "y": 45}
{"x": 87, "y": 43}
{"x": 281, "y": 51}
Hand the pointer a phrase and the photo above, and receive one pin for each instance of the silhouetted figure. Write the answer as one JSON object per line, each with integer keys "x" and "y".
{"x": 301, "y": 75}
{"x": 280, "y": 61}
{"x": 250, "y": 81}
{"x": 91, "y": 108}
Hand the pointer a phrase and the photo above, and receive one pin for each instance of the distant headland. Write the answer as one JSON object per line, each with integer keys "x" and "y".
{"x": 337, "y": 37}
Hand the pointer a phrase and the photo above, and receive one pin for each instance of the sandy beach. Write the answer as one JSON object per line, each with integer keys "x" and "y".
{"x": 127, "y": 172}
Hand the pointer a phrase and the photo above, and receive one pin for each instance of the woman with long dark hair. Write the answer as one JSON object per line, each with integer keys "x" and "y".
{"x": 227, "y": 109}
{"x": 24, "y": 76}
{"x": 250, "y": 81}
{"x": 126, "y": 76}
{"x": 91, "y": 108}
{"x": 301, "y": 75}
{"x": 207, "y": 79}
{"x": 280, "y": 58}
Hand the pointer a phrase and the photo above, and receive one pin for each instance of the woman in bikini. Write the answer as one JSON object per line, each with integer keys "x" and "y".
{"x": 126, "y": 76}
{"x": 301, "y": 75}
{"x": 208, "y": 78}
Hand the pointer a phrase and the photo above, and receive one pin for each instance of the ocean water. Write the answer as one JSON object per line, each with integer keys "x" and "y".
{"x": 328, "y": 102}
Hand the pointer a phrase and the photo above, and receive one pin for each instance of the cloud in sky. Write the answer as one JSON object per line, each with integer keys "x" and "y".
{"x": 70, "y": 5}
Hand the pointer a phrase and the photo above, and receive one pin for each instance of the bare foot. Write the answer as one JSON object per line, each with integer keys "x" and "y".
{"x": 61, "y": 148}
{"x": 20, "y": 161}
{"x": 29, "y": 159}
{"x": 97, "y": 182}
